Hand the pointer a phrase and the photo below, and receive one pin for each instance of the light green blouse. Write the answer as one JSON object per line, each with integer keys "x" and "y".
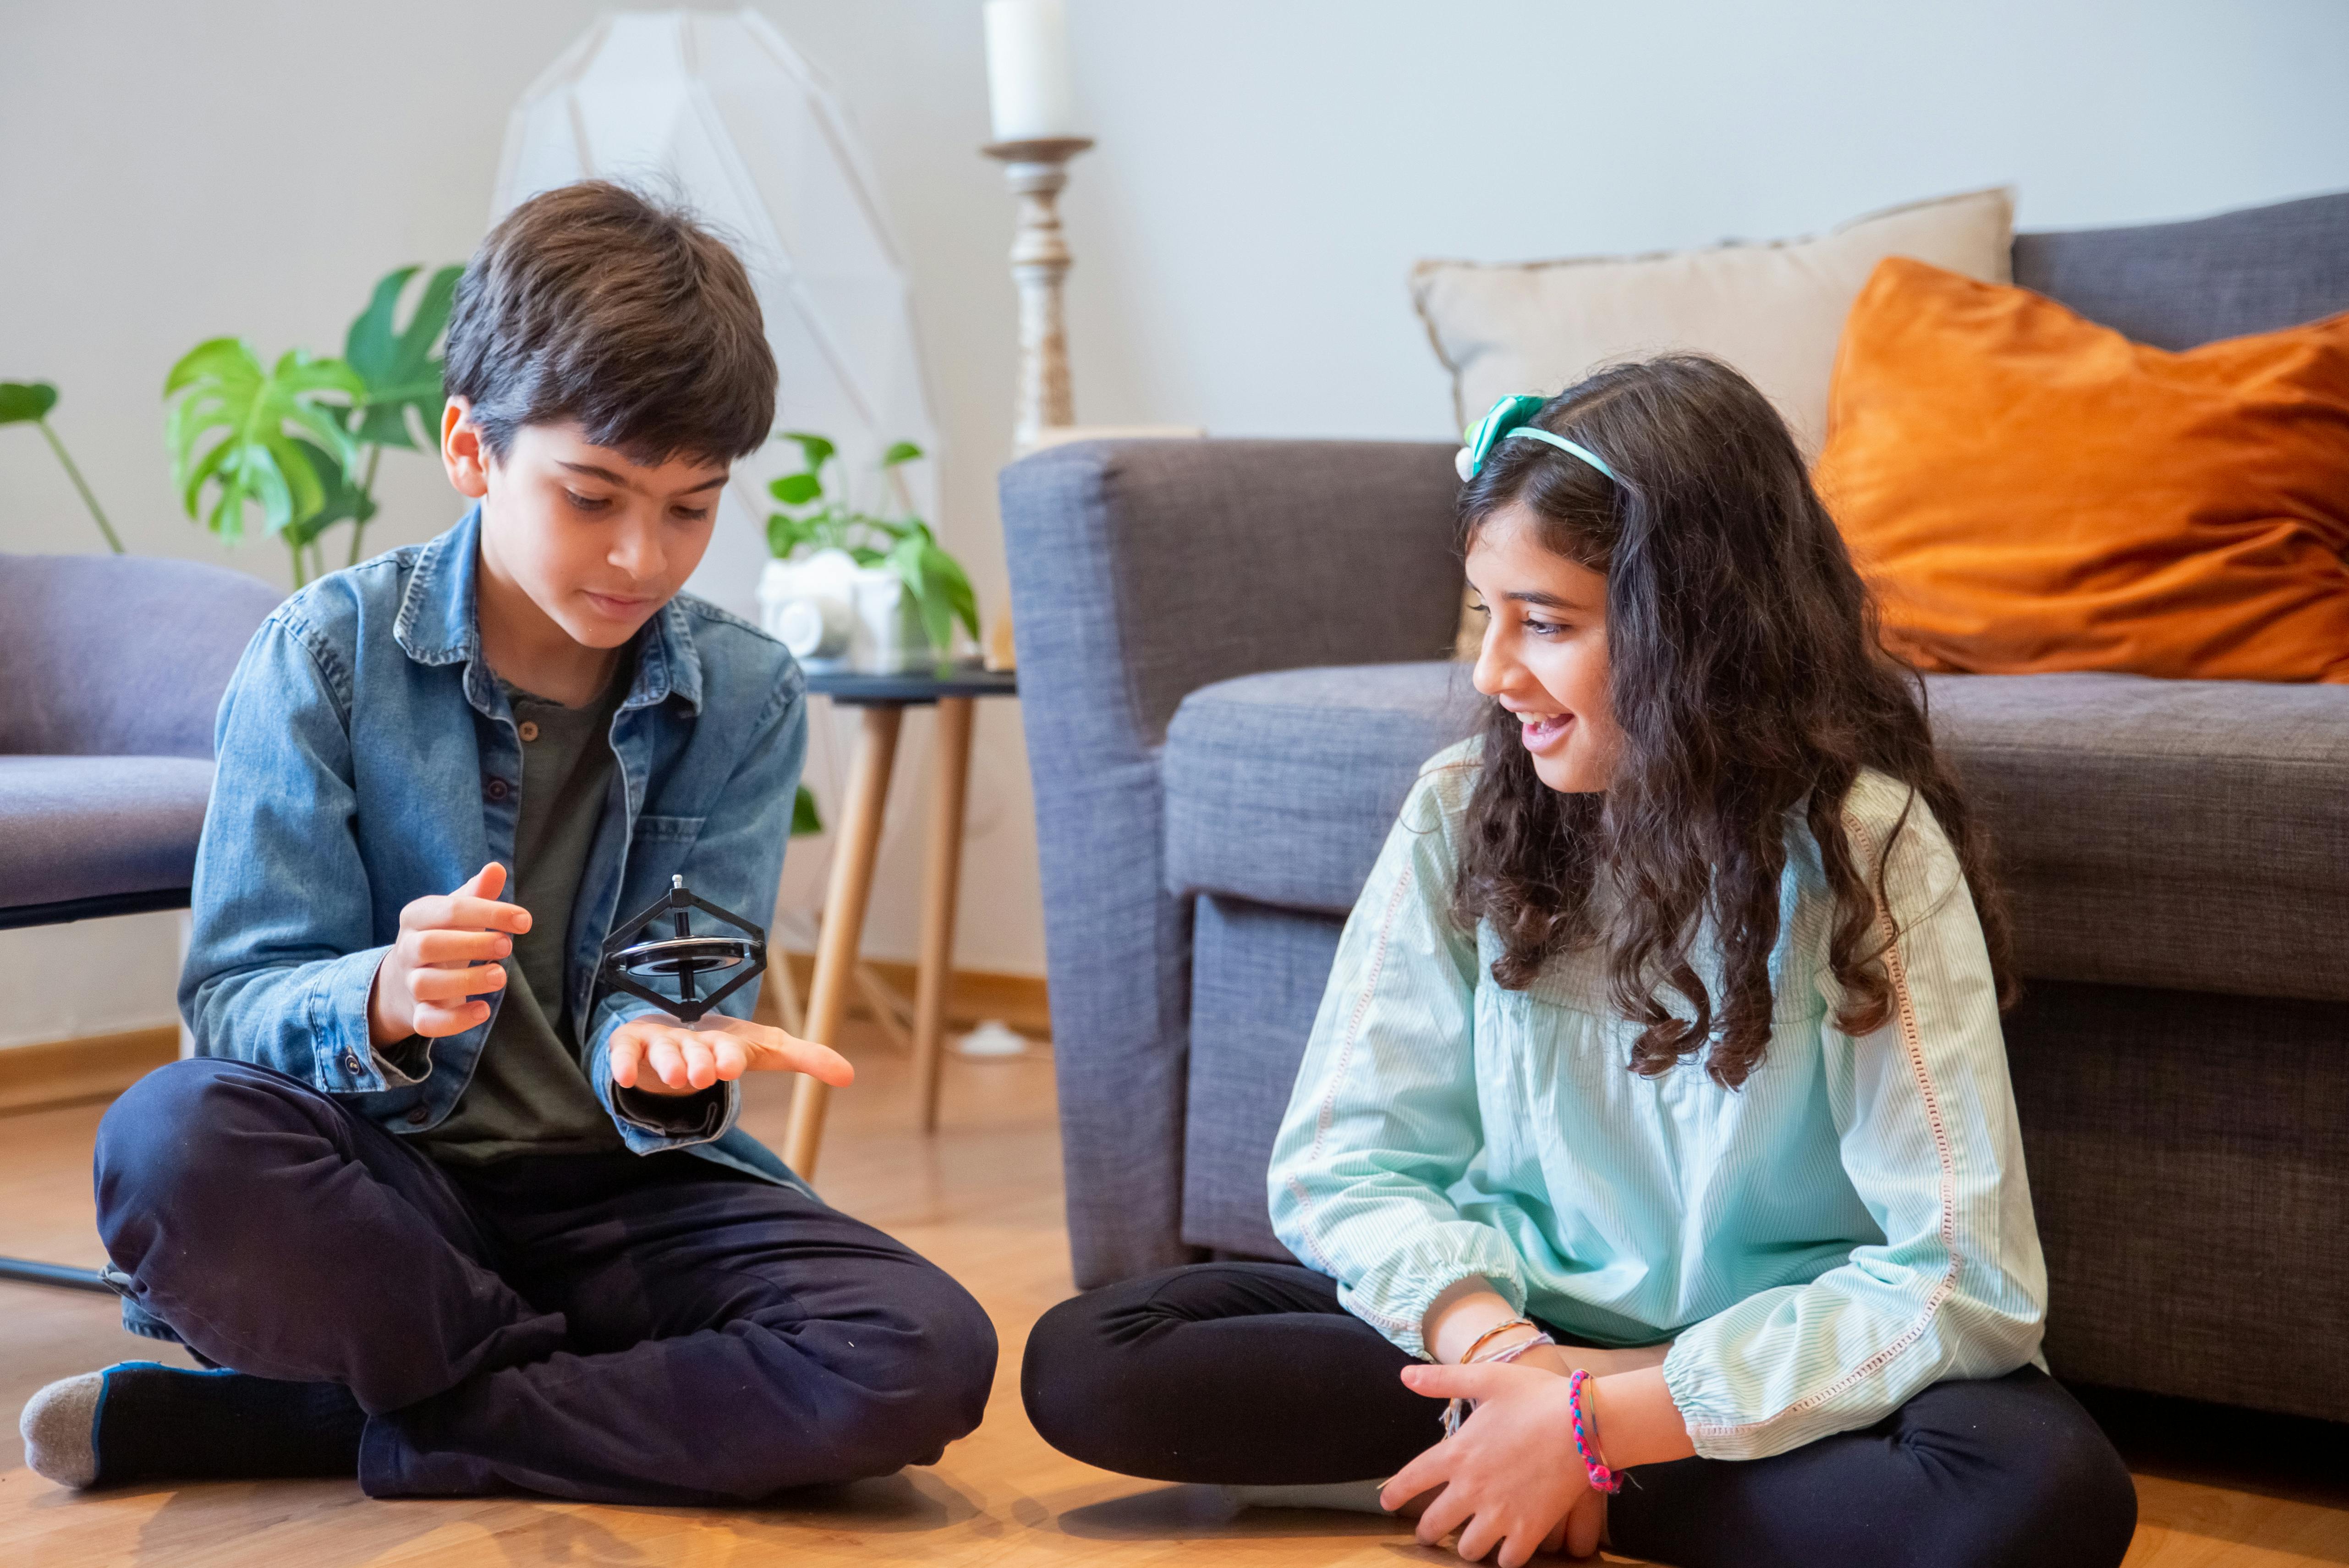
{"x": 1849, "y": 1227}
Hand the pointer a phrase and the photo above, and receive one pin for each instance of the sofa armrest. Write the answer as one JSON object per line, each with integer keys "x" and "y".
{"x": 1142, "y": 571}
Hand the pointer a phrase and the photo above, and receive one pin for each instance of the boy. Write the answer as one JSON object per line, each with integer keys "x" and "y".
{"x": 458, "y": 1220}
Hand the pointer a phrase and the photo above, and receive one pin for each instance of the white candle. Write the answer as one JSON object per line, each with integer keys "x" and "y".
{"x": 1029, "y": 86}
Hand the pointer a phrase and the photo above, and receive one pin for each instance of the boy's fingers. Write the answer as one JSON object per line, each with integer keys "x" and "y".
{"x": 459, "y": 911}
{"x": 461, "y": 947}
{"x": 771, "y": 1050}
{"x": 819, "y": 1062}
{"x": 728, "y": 1055}
{"x": 700, "y": 1066}
{"x": 665, "y": 1060}
{"x": 486, "y": 915}
{"x": 435, "y": 1022}
{"x": 625, "y": 1055}
{"x": 452, "y": 985}
{"x": 789, "y": 1053}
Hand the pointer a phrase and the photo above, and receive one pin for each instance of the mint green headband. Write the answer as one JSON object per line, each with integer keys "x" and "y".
{"x": 1512, "y": 417}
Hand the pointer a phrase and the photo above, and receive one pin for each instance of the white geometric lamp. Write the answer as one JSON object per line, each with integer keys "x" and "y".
{"x": 721, "y": 112}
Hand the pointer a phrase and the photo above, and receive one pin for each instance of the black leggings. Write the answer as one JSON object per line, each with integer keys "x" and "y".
{"x": 1244, "y": 1373}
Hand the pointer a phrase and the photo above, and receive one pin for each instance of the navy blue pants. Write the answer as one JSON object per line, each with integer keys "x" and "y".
{"x": 613, "y": 1328}
{"x": 1245, "y": 1373}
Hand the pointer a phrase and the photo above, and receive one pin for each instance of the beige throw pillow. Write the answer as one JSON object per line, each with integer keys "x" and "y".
{"x": 1775, "y": 311}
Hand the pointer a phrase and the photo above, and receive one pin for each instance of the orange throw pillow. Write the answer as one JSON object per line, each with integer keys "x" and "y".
{"x": 2031, "y": 491}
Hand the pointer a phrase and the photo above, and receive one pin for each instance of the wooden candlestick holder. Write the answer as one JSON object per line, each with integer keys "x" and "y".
{"x": 1036, "y": 172}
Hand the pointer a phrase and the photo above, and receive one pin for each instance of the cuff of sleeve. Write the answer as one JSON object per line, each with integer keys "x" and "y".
{"x": 1402, "y": 1311}
{"x": 674, "y": 1119}
{"x": 1717, "y": 1425}
{"x": 650, "y": 1123}
{"x": 347, "y": 1060}
{"x": 1686, "y": 1380}
{"x": 409, "y": 1062}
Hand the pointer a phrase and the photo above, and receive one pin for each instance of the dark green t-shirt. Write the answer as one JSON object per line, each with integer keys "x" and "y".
{"x": 530, "y": 1093}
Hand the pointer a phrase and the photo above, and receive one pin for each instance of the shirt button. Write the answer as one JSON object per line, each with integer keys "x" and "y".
{"x": 418, "y": 1116}
{"x": 496, "y": 789}
{"x": 529, "y": 729}
{"x": 351, "y": 1063}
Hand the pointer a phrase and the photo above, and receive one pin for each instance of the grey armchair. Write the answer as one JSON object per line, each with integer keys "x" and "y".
{"x": 111, "y": 670}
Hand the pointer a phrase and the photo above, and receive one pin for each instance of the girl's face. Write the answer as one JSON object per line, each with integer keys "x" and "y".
{"x": 1544, "y": 652}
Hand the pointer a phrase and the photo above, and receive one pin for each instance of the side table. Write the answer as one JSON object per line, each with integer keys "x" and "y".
{"x": 954, "y": 689}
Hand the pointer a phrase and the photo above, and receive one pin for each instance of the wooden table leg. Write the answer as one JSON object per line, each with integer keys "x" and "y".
{"x": 941, "y": 873}
{"x": 843, "y": 920}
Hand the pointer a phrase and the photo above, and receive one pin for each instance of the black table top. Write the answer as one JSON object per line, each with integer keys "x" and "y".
{"x": 856, "y": 690}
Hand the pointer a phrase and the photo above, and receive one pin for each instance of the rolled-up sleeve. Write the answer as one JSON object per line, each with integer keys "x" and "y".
{"x": 1926, "y": 1121}
{"x": 283, "y": 955}
{"x": 1383, "y": 1120}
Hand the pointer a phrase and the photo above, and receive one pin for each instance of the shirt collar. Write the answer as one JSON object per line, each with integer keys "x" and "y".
{"x": 438, "y": 625}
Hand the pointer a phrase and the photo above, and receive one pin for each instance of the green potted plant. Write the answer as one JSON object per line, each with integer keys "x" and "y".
{"x": 852, "y": 587}
{"x": 301, "y": 438}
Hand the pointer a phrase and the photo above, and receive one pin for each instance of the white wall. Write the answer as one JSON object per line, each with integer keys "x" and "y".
{"x": 1268, "y": 171}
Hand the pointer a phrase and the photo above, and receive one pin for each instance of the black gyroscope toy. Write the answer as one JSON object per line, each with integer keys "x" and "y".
{"x": 634, "y": 962}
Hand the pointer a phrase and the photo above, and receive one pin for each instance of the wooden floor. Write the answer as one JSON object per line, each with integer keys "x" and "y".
{"x": 983, "y": 1200}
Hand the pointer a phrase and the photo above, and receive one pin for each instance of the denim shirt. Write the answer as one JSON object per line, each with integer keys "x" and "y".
{"x": 367, "y": 757}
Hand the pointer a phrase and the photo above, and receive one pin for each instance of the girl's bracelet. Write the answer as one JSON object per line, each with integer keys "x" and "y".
{"x": 1586, "y": 1437}
{"x": 1495, "y": 1332}
{"x": 1456, "y": 1411}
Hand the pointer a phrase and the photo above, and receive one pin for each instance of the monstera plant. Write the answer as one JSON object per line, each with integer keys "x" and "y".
{"x": 300, "y": 439}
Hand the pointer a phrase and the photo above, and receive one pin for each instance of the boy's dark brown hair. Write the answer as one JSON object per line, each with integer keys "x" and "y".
{"x": 594, "y": 303}
{"x": 1746, "y": 671}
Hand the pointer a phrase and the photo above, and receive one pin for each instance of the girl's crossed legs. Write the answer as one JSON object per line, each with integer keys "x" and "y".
{"x": 1252, "y": 1374}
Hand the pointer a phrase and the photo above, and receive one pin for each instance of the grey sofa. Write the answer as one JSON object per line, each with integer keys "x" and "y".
{"x": 1230, "y": 661}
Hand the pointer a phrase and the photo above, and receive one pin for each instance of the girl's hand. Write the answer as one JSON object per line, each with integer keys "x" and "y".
{"x": 1510, "y": 1477}
{"x": 657, "y": 1054}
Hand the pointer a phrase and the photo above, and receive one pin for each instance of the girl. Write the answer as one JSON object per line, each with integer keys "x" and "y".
{"x": 1657, "y": 1111}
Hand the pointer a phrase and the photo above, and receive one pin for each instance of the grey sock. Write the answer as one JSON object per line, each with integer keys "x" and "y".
{"x": 60, "y": 1429}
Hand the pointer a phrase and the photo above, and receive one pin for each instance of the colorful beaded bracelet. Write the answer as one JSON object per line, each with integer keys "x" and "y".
{"x": 1601, "y": 1478}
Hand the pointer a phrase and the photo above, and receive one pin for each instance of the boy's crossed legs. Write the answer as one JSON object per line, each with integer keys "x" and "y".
{"x": 612, "y": 1328}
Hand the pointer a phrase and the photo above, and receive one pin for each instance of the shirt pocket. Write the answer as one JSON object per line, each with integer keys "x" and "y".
{"x": 661, "y": 845}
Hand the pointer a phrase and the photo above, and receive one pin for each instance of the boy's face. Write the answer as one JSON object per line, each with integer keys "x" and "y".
{"x": 596, "y": 541}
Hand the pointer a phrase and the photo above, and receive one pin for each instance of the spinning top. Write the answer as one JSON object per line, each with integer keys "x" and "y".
{"x": 681, "y": 958}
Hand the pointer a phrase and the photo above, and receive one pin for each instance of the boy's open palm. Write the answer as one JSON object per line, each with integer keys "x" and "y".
{"x": 446, "y": 956}
{"x": 655, "y": 1054}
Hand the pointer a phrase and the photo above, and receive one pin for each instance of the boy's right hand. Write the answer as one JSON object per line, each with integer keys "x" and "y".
{"x": 446, "y": 956}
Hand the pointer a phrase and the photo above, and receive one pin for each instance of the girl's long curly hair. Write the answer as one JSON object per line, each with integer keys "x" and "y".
{"x": 1749, "y": 683}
